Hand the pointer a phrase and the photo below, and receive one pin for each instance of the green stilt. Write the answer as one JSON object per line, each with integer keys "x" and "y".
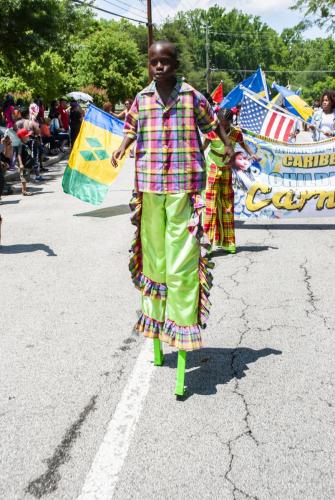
{"x": 181, "y": 365}
{"x": 158, "y": 353}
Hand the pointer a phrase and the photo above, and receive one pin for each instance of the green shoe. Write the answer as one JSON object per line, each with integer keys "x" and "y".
{"x": 229, "y": 248}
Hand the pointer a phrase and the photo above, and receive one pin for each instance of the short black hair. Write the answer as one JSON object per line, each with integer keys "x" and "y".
{"x": 174, "y": 50}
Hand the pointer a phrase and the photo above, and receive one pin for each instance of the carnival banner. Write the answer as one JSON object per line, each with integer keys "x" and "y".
{"x": 286, "y": 180}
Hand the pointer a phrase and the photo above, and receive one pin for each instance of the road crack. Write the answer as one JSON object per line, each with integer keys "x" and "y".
{"x": 48, "y": 482}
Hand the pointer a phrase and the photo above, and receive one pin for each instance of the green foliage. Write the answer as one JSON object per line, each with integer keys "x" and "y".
{"x": 46, "y": 76}
{"x": 108, "y": 58}
{"x": 50, "y": 47}
{"x": 99, "y": 95}
{"x": 320, "y": 11}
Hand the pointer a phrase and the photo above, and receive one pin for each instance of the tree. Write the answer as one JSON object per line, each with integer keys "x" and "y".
{"x": 323, "y": 11}
{"x": 109, "y": 59}
{"x": 29, "y": 27}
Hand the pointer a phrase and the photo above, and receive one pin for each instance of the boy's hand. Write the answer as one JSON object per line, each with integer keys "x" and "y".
{"x": 117, "y": 155}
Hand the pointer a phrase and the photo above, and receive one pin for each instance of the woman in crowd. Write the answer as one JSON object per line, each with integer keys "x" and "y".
{"x": 56, "y": 130}
{"x": 323, "y": 120}
{"x": 8, "y": 111}
{"x": 125, "y": 111}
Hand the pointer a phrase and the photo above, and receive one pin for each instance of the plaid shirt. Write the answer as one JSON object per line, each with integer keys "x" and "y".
{"x": 169, "y": 157}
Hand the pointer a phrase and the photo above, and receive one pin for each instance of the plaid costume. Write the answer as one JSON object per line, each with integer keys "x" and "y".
{"x": 167, "y": 264}
{"x": 168, "y": 154}
{"x": 219, "y": 196}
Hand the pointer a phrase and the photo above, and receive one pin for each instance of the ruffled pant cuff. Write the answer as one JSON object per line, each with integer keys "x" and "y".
{"x": 186, "y": 338}
{"x": 149, "y": 327}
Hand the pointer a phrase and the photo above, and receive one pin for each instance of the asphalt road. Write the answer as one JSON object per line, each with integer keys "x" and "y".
{"x": 258, "y": 418}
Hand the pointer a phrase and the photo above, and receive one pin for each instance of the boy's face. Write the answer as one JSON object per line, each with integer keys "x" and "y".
{"x": 162, "y": 61}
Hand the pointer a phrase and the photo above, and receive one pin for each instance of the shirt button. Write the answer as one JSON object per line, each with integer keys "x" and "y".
{"x": 165, "y": 148}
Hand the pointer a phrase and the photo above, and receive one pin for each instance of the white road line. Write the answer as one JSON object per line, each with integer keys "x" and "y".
{"x": 104, "y": 474}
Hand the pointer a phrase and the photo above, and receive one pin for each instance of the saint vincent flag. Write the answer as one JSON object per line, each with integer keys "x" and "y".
{"x": 89, "y": 172}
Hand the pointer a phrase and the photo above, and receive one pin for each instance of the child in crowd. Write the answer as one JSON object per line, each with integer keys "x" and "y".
{"x": 166, "y": 263}
{"x": 25, "y": 158}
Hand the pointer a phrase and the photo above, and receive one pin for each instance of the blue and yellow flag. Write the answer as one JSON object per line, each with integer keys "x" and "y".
{"x": 294, "y": 104}
{"x": 89, "y": 172}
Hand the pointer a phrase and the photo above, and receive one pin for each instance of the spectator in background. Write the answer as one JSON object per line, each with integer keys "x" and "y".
{"x": 47, "y": 137}
{"x": 123, "y": 114}
{"x": 323, "y": 120}
{"x": 64, "y": 115}
{"x": 7, "y": 151}
{"x": 8, "y": 111}
{"x": 25, "y": 158}
{"x": 57, "y": 131}
{"x": 41, "y": 110}
{"x": 6, "y": 156}
{"x": 316, "y": 104}
{"x": 23, "y": 122}
{"x": 36, "y": 142}
{"x": 76, "y": 118}
{"x": 54, "y": 113}
{"x": 108, "y": 107}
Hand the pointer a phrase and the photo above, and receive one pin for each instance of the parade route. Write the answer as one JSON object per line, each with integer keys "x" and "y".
{"x": 84, "y": 414}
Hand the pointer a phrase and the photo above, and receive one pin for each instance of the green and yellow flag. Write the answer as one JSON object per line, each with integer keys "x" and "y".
{"x": 89, "y": 172}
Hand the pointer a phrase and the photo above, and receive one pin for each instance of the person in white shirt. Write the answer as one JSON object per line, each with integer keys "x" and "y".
{"x": 323, "y": 120}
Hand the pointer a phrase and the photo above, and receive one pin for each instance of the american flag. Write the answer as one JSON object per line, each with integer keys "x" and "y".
{"x": 261, "y": 120}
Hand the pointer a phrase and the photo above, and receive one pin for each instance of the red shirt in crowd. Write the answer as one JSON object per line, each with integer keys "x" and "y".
{"x": 64, "y": 116}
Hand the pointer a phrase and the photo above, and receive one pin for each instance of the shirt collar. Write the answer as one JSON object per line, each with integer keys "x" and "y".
{"x": 180, "y": 87}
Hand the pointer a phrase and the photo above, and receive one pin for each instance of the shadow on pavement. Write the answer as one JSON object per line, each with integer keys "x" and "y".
{"x": 28, "y": 248}
{"x": 106, "y": 212}
{"x": 285, "y": 227}
{"x": 40, "y": 191}
{"x": 210, "y": 367}
{"x": 246, "y": 248}
{"x": 9, "y": 202}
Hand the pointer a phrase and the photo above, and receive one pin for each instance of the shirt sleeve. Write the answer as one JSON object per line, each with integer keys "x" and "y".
{"x": 205, "y": 116}
{"x": 130, "y": 124}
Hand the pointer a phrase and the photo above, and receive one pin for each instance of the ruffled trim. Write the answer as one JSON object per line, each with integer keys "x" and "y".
{"x": 149, "y": 327}
{"x": 135, "y": 263}
{"x": 147, "y": 286}
{"x": 206, "y": 283}
{"x": 205, "y": 264}
{"x": 186, "y": 338}
{"x": 151, "y": 288}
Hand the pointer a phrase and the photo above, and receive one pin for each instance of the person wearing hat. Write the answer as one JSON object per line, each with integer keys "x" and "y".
{"x": 25, "y": 158}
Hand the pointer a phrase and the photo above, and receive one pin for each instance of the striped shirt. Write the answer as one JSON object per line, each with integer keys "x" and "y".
{"x": 169, "y": 157}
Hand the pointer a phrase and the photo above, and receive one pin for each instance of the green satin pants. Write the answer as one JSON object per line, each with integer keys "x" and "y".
{"x": 170, "y": 256}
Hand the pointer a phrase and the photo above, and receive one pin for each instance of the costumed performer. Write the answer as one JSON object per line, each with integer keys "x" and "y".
{"x": 166, "y": 262}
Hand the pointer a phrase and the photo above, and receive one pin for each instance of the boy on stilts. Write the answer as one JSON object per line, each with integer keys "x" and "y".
{"x": 166, "y": 263}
